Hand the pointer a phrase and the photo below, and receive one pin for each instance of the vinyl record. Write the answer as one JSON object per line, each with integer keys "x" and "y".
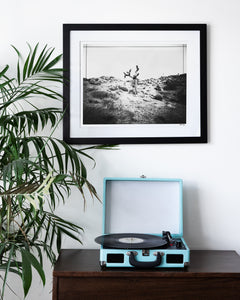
{"x": 131, "y": 241}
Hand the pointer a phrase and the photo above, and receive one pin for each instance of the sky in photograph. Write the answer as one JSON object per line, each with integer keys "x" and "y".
{"x": 153, "y": 61}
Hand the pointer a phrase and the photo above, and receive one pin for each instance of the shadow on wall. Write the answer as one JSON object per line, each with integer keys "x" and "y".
{"x": 192, "y": 218}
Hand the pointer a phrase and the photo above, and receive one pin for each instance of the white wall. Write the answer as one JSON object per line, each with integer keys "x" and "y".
{"x": 210, "y": 171}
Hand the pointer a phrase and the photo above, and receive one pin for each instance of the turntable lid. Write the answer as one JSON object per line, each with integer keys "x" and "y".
{"x": 142, "y": 205}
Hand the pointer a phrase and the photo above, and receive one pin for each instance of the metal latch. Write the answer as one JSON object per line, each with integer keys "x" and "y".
{"x": 145, "y": 252}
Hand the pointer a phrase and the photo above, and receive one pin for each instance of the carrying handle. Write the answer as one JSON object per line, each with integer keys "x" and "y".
{"x": 144, "y": 264}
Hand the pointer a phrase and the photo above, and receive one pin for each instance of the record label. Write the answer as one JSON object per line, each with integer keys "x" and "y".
{"x": 131, "y": 240}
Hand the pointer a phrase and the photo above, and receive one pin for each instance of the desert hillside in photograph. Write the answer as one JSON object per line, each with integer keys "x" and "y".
{"x": 109, "y": 100}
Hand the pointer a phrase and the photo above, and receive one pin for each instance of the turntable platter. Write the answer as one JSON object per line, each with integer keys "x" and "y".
{"x": 131, "y": 241}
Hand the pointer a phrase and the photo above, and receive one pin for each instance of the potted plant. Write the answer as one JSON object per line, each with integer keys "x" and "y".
{"x": 36, "y": 170}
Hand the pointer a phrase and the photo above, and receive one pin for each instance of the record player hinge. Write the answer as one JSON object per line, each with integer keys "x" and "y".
{"x": 161, "y": 253}
{"x": 134, "y": 253}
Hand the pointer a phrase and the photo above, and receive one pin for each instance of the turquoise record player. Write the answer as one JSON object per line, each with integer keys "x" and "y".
{"x": 143, "y": 224}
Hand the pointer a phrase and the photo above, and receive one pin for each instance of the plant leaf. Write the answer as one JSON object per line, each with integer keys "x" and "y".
{"x": 29, "y": 260}
{"x": 7, "y": 269}
{"x": 26, "y": 272}
{"x": 30, "y": 67}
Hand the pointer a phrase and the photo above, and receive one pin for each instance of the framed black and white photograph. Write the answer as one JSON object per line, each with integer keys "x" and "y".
{"x": 135, "y": 83}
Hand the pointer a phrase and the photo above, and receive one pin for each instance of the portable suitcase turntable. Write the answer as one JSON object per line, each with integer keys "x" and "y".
{"x": 143, "y": 224}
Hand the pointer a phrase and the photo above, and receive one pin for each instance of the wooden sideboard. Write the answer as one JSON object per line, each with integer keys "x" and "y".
{"x": 211, "y": 275}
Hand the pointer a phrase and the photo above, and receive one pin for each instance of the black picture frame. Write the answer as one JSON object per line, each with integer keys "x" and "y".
{"x": 79, "y": 38}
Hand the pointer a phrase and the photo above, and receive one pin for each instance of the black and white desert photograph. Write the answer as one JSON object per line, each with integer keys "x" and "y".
{"x": 134, "y": 84}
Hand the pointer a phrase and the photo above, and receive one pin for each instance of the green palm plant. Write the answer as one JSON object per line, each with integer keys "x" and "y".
{"x": 36, "y": 171}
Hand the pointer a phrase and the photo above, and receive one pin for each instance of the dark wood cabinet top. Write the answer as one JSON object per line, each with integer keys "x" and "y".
{"x": 210, "y": 275}
{"x": 85, "y": 263}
